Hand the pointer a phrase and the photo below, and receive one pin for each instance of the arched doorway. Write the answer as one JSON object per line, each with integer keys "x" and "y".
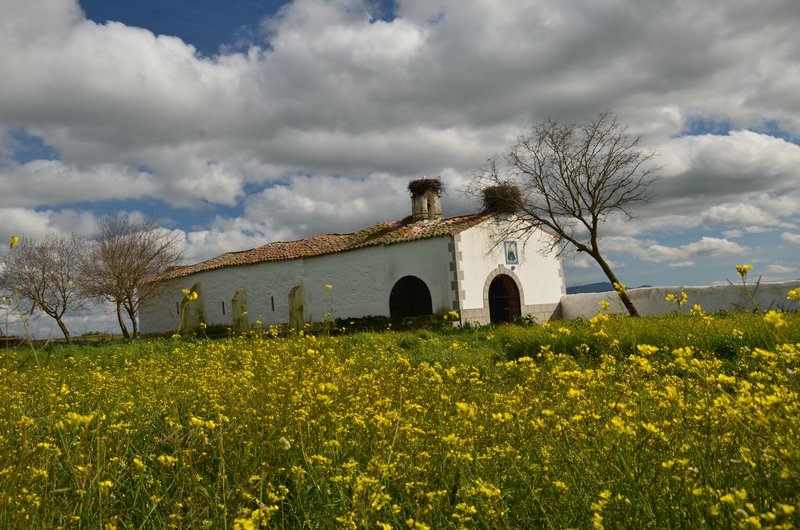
{"x": 410, "y": 297}
{"x": 504, "y": 304}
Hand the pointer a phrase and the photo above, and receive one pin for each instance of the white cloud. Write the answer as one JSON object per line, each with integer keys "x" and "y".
{"x": 791, "y": 238}
{"x": 712, "y": 246}
{"x": 737, "y": 233}
{"x": 579, "y": 261}
{"x": 777, "y": 268}
{"x": 733, "y": 234}
{"x": 34, "y": 224}
{"x": 728, "y": 214}
{"x": 652, "y": 251}
{"x": 51, "y": 182}
{"x": 442, "y": 85}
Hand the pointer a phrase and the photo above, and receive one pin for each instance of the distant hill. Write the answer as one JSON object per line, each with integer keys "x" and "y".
{"x": 599, "y": 287}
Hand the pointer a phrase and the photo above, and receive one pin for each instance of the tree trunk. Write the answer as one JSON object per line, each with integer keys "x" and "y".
{"x": 626, "y": 301}
{"x": 64, "y": 329}
{"x": 132, "y": 316}
{"x": 121, "y": 321}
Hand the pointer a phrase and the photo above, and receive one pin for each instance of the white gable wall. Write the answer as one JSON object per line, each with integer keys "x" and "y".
{"x": 362, "y": 282}
{"x": 479, "y": 258}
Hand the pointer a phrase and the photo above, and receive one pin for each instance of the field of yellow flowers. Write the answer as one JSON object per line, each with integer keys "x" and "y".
{"x": 578, "y": 425}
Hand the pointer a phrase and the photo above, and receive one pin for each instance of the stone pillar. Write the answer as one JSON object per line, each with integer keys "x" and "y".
{"x": 241, "y": 322}
{"x": 297, "y": 307}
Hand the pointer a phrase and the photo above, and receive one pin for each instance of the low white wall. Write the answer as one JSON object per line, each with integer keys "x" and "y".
{"x": 652, "y": 300}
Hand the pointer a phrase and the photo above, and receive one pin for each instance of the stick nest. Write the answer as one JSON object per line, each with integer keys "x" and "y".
{"x": 420, "y": 186}
{"x": 502, "y": 198}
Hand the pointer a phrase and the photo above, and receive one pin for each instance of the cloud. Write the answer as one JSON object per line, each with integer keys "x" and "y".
{"x": 650, "y": 250}
{"x": 51, "y": 182}
{"x": 791, "y": 238}
{"x": 336, "y": 106}
{"x": 737, "y": 233}
{"x": 682, "y": 264}
{"x": 743, "y": 181}
{"x": 332, "y": 89}
{"x": 731, "y": 165}
{"x": 777, "y": 268}
{"x": 34, "y": 224}
{"x": 737, "y": 214}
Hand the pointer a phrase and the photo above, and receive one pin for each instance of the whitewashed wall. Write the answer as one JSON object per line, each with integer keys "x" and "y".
{"x": 362, "y": 281}
{"x": 652, "y": 300}
{"x": 539, "y": 274}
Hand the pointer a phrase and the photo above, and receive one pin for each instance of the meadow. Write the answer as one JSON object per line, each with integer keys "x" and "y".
{"x": 688, "y": 420}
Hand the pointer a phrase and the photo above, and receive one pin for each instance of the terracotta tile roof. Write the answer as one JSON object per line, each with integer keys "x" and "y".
{"x": 389, "y": 233}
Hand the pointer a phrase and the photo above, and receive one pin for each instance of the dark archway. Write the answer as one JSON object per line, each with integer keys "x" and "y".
{"x": 504, "y": 305}
{"x": 410, "y": 297}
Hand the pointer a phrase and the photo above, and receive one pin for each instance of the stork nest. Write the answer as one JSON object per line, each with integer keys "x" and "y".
{"x": 420, "y": 186}
{"x": 502, "y": 198}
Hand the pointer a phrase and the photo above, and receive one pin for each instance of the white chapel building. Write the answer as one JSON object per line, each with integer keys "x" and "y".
{"x": 421, "y": 265}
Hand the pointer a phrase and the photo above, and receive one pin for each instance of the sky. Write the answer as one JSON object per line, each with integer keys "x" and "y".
{"x": 240, "y": 123}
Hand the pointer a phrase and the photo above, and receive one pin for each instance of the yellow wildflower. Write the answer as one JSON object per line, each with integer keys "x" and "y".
{"x": 13, "y": 241}
{"x": 794, "y": 294}
{"x": 466, "y": 409}
{"x": 775, "y": 319}
{"x": 743, "y": 269}
{"x": 677, "y": 299}
{"x": 604, "y": 304}
{"x": 167, "y": 460}
{"x": 328, "y": 286}
{"x": 728, "y": 497}
{"x": 646, "y": 349}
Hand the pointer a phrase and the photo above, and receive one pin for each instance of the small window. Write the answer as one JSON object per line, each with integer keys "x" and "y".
{"x": 178, "y": 307}
{"x": 223, "y": 307}
{"x": 272, "y": 301}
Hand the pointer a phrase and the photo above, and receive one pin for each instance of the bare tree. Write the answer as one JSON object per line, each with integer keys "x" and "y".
{"x": 568, "y": 178}
{"x": 125, "y": 253}
{"x": 45, "y": 276}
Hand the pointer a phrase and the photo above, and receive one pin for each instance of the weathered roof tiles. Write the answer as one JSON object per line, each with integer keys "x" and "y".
{"x": 389, "y": 233}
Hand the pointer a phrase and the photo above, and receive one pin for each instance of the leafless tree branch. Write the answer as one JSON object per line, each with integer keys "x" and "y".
{"x": 45, "y": 275}
{"x": 571, "y": 177}
{"x": 125, "y": 252}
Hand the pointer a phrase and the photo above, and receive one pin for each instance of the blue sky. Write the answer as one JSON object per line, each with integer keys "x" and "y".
{"x": 239, "y": 123}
